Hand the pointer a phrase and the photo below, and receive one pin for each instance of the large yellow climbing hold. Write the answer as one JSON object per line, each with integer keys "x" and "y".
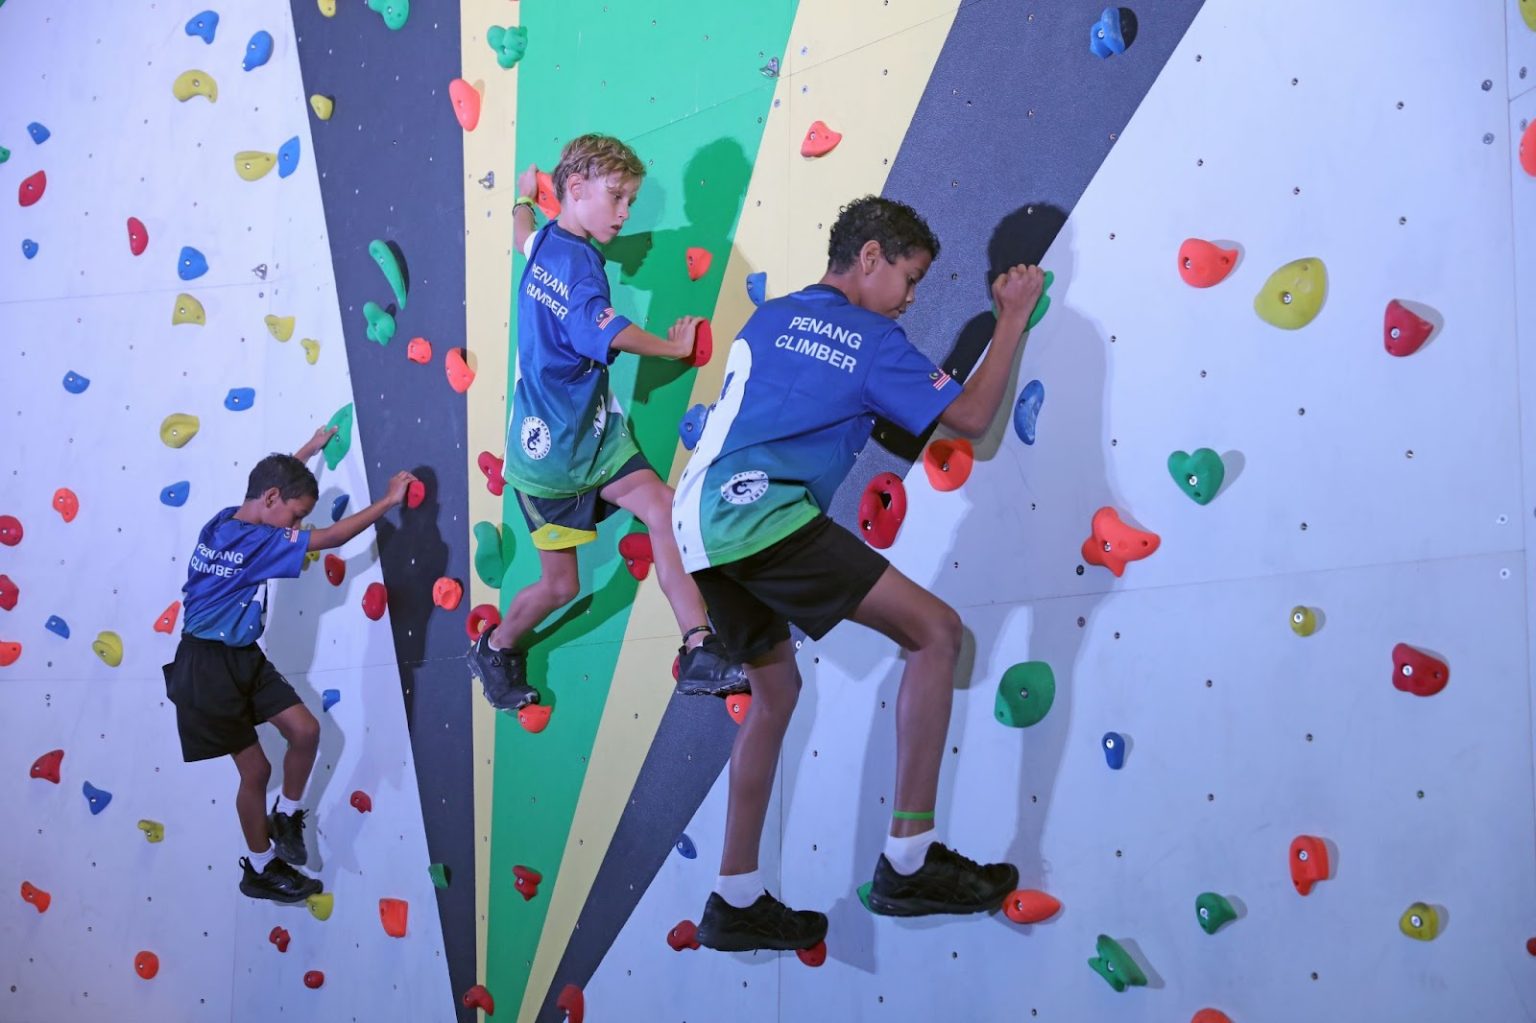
{"x": 195, "y": 83}
{"x": 253, "y": 165}
{"x": 178, "y": 428}
{"x": 327, "y": 7}
{"x": 188, "y": 310}
{"x": 281, "y": 327}
{"x": 320, "y": 905}
{"x": 1528, "y": 12}
{"x": 311, "y": 350}
{"x": 109, "y": 647}
{"x": 1293, "y": 295}
{"x": 323, "y": 106}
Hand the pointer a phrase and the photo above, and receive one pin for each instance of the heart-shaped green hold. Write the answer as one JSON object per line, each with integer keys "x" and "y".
{"x": 341, "y": 441}
{"x": 1199, "y": 474}
{"x": 1213, "y": 910}
{"x": 395, "y": 12}
{"x": 1116, "y": 966}
{"x": 509, "y": 43}
{"x": 1025, "y": 694}
{"x": 381, "y": 325}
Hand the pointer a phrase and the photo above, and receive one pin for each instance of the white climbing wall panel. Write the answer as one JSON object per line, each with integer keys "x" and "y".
{"x": 100, "y": 78}
{"x": 1384, "y": 492}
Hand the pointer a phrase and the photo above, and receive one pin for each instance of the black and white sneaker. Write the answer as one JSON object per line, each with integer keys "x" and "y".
{"x": 288, "y": 835}
{"x": 503, "y": 674}
{"x": 706, "y": 670}
{"x": 278, "y": 882}
{"x": 767, "y": 923}
{"x": 946, "y": 883}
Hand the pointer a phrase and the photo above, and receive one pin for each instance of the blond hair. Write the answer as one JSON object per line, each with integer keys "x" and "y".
{"x": 594, "y": 157}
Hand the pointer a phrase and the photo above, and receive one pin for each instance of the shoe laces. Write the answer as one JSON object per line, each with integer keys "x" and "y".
{"x": 960, "y": 859}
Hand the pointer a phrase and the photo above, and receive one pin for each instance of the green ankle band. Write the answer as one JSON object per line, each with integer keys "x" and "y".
{"x": 909, "y": 815}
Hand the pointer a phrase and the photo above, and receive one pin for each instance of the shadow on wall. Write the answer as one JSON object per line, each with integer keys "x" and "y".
{"x": 410, "y": 595}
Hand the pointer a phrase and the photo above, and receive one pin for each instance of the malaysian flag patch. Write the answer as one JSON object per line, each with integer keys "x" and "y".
{"x": 605, "y": 317}
{"x": 292, "y": 535}
{"x": 939, "y": 378}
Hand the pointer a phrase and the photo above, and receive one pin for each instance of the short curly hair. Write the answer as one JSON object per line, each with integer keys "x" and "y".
{"x": 898, "y": 228}
{"x": 290, "y": 476}
{"x": 595, "y": 156}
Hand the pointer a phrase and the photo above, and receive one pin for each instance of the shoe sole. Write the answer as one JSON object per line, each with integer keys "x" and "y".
{"x": 746, "y": 943}
{"x": 287, "y": 900}
{"x": 532, "y": 698}
{"x": 883, "y": 906}
{"x": 721, "y": 693}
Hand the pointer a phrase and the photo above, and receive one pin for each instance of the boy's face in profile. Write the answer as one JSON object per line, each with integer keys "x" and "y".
{"x": 272, "y": 510}
{"x": 889, "y": 288}
{"x": 600, "y": 206}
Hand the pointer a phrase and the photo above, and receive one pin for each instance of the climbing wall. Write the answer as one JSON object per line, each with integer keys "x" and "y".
{"x": 102, "y": 342}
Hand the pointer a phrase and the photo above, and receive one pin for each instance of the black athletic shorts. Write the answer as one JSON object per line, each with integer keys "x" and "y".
{"x": 221, "y": 694}
{"x": 557, "y": 523}
{"x": 815, "y": 578}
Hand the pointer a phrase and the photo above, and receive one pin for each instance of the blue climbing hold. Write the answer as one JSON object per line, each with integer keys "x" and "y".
{"x": 74, "y": 383}
{"x": 685, "y": 846}
{"x": 98, "y": 798}
{"x": 692, "y": 425}
{"x": 1105, "y": 38}
{"x": 1026, "y": 414}
{"x": 240, "y": 398}
{"x": 38, "y": 132}
{"x": 330, "y": 698}
{"x": 57, "y": 626}
{"x": 288, "y": 157}
{"x": 339, "y": 507}
{"x": 1114, "y": 750}
{"x": 28, "y": 247}
{"x": 176, "y": 494}
{"x": 204, "y": 25}
{"x": 757, "y": 287}
{"x": 191, "y": 264}
{"x": 258, "y": 51}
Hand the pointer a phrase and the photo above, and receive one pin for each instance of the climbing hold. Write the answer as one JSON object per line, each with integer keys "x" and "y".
{"x": 509, "y": 44}
{"x": 481, "y": 617}
{"x": 1043, "y": 305}
{"x": 279, "y": 936}
{"x": 1420, "y": 921}
{"x": 74, "y": 383}
{"x": 491, "y": 465}
{"x": 684, "y": 935}
{"x": 440, "y": 874}
{"x": 9, "y": 653}
{"x": 313, "y": 978}
{"x": 490, "y": 559}
{"x": 35, "y": 896}
{"x": 1212, "y": 911}
{"x": 737, "y": 706}
{"x": 203, "y": 25}
{"x": 757, "y": 287}
{"x": 39, "y": 133}
{"x": 1025, "y": 694}
{"x": 460, "y": 376}
{"x": 635, "y": 549}
{"x": 258, "y": 51}
{"x": 686, "y": 848}
{"x": 478, "y": 997}
{"x": 415, "y": 493}
{"x": 447, "y": 592}
{"x": 188, "y": 310}
{"x": 1105, "y": 36}
{"x": 388, "y": 262}
{"x": 1199, "y": 474}
{"x": 28, "y": 247}
{"x": 57, "y": 626}
{"x": 5, "y": 154}
{"x": 1210, "y": 1016}
{"x": 146, "y": 965}
{"x": 375, "y": 600}
{"x": 154, "y": 831}
{"x": 1293, "y": 295}
{"x": 341, "y": 441}
{"x": 1403, "y": 330}
{"x": 573, "y": 1003}
{"x": 166, "y": 623}
{"x": 1116, "y": 966}
{"x": 8, "y": 593}
{"x": 10, "y": 530}
{"x": 335, "y": 570}
{"x": 178, "y": 428}
{"x": 698, "y": 261}
{"x": 814, "y": 956}
{"x": 280, "y": 327}
{"x": 320, "y": 905}
{"x": 195, "y": 83}
{"x": 66, "y": 504}
{"x": 819, "y": 140}
{"x": 419, "y": 351}
{"x": 1113, "y": 543}
{"x": 109, "y": 647}
{"x": 526, "y": 881}
{"x": 466, "y": 103}
{"x": 1303, "y": 620}
{"x": 32, "y": 189}
{"x": 138, "y": 236}
{"x": 329, "y": 699}
{"x": 703, "y": 344}
{"x": 311, "y": 350}
{"x": 96, "y": 798}
{"x": 339, "y": 507}
{"x": 46, "y": 766}
{"x": 1026, "y": 414}
{"x": 544, "y": 195}
{"x": 1203, "y": 264}
{"x": 240, "y": 398}
{"x": 381, "y": 325}
{"x": 1309, "y": 862}
{"x": 1113, "y": 745}
{"x": 361, "y": 802}
{"x": 535, "y": 717}
{"x": 948, "y": 463}
{"x": 323, "y": 106}
{"x": 253, "y": 164}
{"x": 395, "y": 12}
{"x": 1416, "y": 672}
{"x": 692, "y": 426}
{"x": 882, "y": 510}
{"x": 288, "y": 157}
{"x": 1029, "y": 906}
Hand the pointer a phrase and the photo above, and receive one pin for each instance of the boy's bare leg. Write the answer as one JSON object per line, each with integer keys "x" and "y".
{"x": 557, "y": 585}
{"x": 302, "y": 732}
{"x": 645, "y": 495}
{"x": 251, "y": 797}
{"x": 755, "y": 755}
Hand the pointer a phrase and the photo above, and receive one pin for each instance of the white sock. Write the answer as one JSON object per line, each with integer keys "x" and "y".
{"x": 740, "y": 890}
{"x": 260, "y": 860}
{"x": 286, "y": 805}
{"x": 908, "y": 854}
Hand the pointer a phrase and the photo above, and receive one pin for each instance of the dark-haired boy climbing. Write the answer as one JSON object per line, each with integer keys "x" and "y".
{"x": 804, "y": 381}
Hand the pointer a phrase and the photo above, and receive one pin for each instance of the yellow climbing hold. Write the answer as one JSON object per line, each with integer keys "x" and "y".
{"x": 195, "y": 83}
{"x": 1528, "y": 12}
{"x": 323, "y": 106}
{"x": 253, "y": 165}
{"x": 154, "y": 831}
{"x": 188, "y": 310}
{"x": 311, "y": 350}
{"x": 327, "y": 7}
{"x": 280, "y": 326}
{"x": 320, "y": 905}
{"x": 109, "y": 647}
{"x": 1293, "y": 295}
{"x": 178, "y": 428}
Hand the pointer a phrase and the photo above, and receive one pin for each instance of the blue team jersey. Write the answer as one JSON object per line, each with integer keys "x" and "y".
{"x": 803, "y": 384}
{"x": 566, "y": 434}
{"x": 223, "y": 598}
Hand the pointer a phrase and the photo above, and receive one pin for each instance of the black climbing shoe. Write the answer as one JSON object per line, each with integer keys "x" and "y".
{"x": 946, "y": 883}
{"x": 279, "y": 882}
{"x": 767, "y": 923}
{"x": 706, "y": 670}
{"x": 503, "y": 674}
{"x": 288, "y": 835}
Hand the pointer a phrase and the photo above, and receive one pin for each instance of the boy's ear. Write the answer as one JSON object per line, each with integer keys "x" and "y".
{"x": 574, "y": 183}
{"x": 870, "y": 256}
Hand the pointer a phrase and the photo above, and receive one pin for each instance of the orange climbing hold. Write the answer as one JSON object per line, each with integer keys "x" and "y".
{"x": 737, "y": 706}
{"x": 279, "y": 937}
{"x": 460, "y": 376}
{"x": 491, "y": 465}
{"x": 415, "y": 493}
{"x": 1030, "y": 906}
{"x": 375, "y": 600}
{"x": 948, "y": 463}
{"x": 466, "y": 103}
{"x": 447, "y": 592}
{"x": 39, "y": 899}
{"x": 9, "y": 652}
{"x": 545, "y": 198}
{"x": 698, "y": 262}
{"x": 393, "y": 914}
{"x": 1309, "y": 862}
{"x": 819, "y": 140}
{"x": 1114, "y": 544}
{"x": 419, "y": 351}
{"x": 684, "y": 935}
{"x": 1203, "y": 264}
{"x": 635, "y": 549}
{"x": 46, "y": 766}
{"x": 32, "y": 189}
{"x": 527, "y": 881}
{"x": 478, "y": 997}
{"x": 481, "y": 617}
{"x": 146, "y": 965}
{"x": 573, "y": 1003}
{"x": 1210, "y": 1016}
{"x": 535, "y": 717}
{"x": 66, "y": 504}
{"x": 166, "y": 623}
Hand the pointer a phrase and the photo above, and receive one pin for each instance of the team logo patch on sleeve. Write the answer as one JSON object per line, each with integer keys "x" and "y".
{"x": 745, "y": 487}
{"x": 605, "y": 317}
{"x": 535, "y": 437}
{"x": 939, "y": 378}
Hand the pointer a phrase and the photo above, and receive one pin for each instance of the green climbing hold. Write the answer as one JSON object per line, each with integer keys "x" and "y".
{"x": 864, "y": 890}
{"x": 1199, "y": 474}
{"x": 490, "y": 557}
{"x": 509, "y": 43}
{"x": 385, "y": 256}
{"x": 1293, "y": 295}
{"x": 5, "y": 154}
{"x": 440, "y": 874}
{"x": 1116, "y": 966}
{"x": 341, "y": 441}
{"x": 1025, "y": 694}
{"x": 1044, "y": 303}
{"x": 381, "y": 325}
{"x": 1212, "y": 911}
{"x": 395, "y": 12}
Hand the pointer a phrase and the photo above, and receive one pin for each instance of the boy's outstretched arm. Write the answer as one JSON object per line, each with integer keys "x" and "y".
{"x": 1015, "y": 291}
{"x": 523, "y": 221}
{"x": 339, "y": 533}
{"x": 312, "y": 447}
{"x": 678, "y": 344}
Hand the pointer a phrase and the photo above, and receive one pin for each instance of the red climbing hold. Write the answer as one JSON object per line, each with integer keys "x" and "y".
{"x": 1114, "y": 543}
{"x": 545, "y": 197}
{"x": 166, "y": 623}
{"x": 819, "y": 140}
{"x": 66, "y": 504}
{"x": 948, "y": 463}
{"x": 491, "y": 465}
{"x": 684, "y": 935}
{"x": 737, "y": 706}
{"x": 882, "y": 510}
{"x": 32, "y": 189}
{"x": 460, "y": 376}
{"x": 813, "y": 956}
{"x": 1403, "y": 330}
{"x": 46, "y": 766}
{"x": 10, "y": 530}
{"x": 9, "y": 653}
{"x": 1309, "y": 862}
{"x": 39, "y": 899}
{"x": 375, "y": 599}
{"x": 313, "y": 979}
{"x": 415, "y": 493}
{"x": 1203, "y": 264}
{"x": 703, "y": 344}
{"x": 138, "y": 236}
{"x": 1414, "y": 671}
{"x": 8, "y": 593}
{"x": 481, "y": 617}
{"x": 466, "y": 103}
{"x": 527, "y": 883}
{"x": 447, "y": 592}
{"x": 393, "y": 914}
{"x": 535, "y": 717}
{"x": 1528, "y": 149}
{"x": 635, "y": 549}
{"x": 1030, "y": 906}
{"x": 478, "y": 997}
{"x": 335, "y": 570}
{"x": 146, "y": 965}
{"x": 1530, "y": 946}
{"x": 573, "y": 1003}
{"x": 279, "y": 937}
{"x": 419, "y": 351}
{"x": 698, "y": 262}
{"x": 1210, "y": 1016}
{"x": 361, "y": 802}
